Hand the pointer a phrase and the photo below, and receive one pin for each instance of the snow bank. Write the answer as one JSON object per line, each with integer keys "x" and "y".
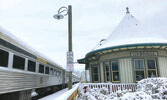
{"x": 55, "y": 95}
{"x": 147, "y": 89}
{"x": 136, "y": 96}
{"x": 156, "y": 87}
{"x": 103, "y": 94}
{"x": 61, "y": 95}
{"x": 93, "y": 94}
{"x": 67, "y": 94}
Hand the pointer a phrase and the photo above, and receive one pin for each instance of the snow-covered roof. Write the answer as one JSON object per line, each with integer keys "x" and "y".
{"x": 7, "y": 36}
{"x": 130, "y": 31}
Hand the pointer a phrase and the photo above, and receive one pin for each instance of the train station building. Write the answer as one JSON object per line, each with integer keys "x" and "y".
{"x": 129, "y": 54}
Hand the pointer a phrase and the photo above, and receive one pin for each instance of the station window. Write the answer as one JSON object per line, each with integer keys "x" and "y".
{"x": 4, "y": 58}
{"x": 41, "y": 68}
{"x": 115, "y": 71}
{"x": 46, "y": 70}
{"x": 18, "y": 62}
{"x": 107, "y": 71}
{"x": 139, "y": 69}
{"x": 152, "y": 68}
{"x": 142, "y": 71}
{"x": 31, "y": 66}
{"x": 95, "y": 73}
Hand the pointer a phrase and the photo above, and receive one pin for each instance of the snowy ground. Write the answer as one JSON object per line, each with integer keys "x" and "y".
{"x": 61, "y": 95}
{"x": 55, "y": 95}
{"x": 147, "y": 89}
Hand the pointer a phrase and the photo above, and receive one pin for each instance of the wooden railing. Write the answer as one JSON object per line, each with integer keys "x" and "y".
{"x": 70, "y": 94}
{"x": 112, "y": 87}
{"x": 73, "y": 95}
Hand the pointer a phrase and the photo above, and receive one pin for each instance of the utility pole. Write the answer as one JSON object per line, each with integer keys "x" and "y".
{"x": 59, "y": 16}
{"x": 70, "y": 52}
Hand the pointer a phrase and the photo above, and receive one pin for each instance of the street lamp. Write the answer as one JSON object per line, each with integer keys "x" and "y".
{"x": 59, "y": 16}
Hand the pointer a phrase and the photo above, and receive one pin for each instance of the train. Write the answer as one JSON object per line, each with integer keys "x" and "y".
{"x": 22, "y": 68}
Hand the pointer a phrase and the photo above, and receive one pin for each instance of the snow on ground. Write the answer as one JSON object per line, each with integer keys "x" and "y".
{"x": 55, "y": 95}
{"x": 136, "y": 96}
{"x": 147, "y": 89}
{"x": 155, "y": 87}
{"x": 61, "y": 95}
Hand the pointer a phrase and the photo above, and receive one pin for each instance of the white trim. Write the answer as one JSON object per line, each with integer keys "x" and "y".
{"x": 37, "y": 67}
{"x": 26, "y": 64}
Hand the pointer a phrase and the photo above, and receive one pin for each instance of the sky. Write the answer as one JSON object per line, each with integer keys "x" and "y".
{"x": 32, "y": 21}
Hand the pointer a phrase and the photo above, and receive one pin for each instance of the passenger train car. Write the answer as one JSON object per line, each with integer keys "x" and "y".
{"x": 21, "y": 68}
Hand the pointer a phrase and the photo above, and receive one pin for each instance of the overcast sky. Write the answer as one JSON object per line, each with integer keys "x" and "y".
{"x": 32, "y": 21}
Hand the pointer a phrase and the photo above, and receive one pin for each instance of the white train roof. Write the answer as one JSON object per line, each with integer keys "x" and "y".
{"x": 9, "y": 37}
{"x": 130, "y": 31}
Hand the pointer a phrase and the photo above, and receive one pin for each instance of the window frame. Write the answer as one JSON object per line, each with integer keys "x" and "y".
{"x": 156, "y": 69}
{"x": 107, "y": 71}
{"x": 20, "y": 57}
{"x": 7, "y": 58}
{"x": 46, "y": 70}
{"x": 43, "y": 68}
{"x": 146, "y": 70}
{"x": 28, "y": 66}
{"x": 114, "y": 71}
{"x": 95, "y": 65}
{"x": 144, "y": 67}
{"x": 51, "y": 71}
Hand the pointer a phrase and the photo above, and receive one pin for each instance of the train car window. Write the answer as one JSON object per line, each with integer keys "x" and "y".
{"x": 31, "y": 66}
{"x": 58, "y": 73}
{"x": 4, "y": 58}
{"x": 47, "y": 70}
{"x": 51, "y": 71}
{"x": 54, "y": 71}
{"x": 18, "y": 62}
{"x": 41, "y": 68}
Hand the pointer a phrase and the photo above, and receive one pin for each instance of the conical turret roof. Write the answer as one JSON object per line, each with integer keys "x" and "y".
{"x": 129, "y": 34}
{"x": 130, "y": 31}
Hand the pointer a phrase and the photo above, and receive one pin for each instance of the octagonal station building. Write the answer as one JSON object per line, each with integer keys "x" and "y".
{"x": 128, "y": 55}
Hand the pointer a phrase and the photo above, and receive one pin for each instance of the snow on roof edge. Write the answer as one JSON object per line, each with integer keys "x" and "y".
{"x": 26, "y": 46}
{"x": 120, "y": 46}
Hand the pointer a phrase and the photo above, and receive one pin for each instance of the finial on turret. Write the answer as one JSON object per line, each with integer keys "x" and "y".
{"x": 127, "y": 10}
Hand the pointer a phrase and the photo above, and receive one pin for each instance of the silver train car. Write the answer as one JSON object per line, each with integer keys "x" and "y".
{"x": 23, "y": 69}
